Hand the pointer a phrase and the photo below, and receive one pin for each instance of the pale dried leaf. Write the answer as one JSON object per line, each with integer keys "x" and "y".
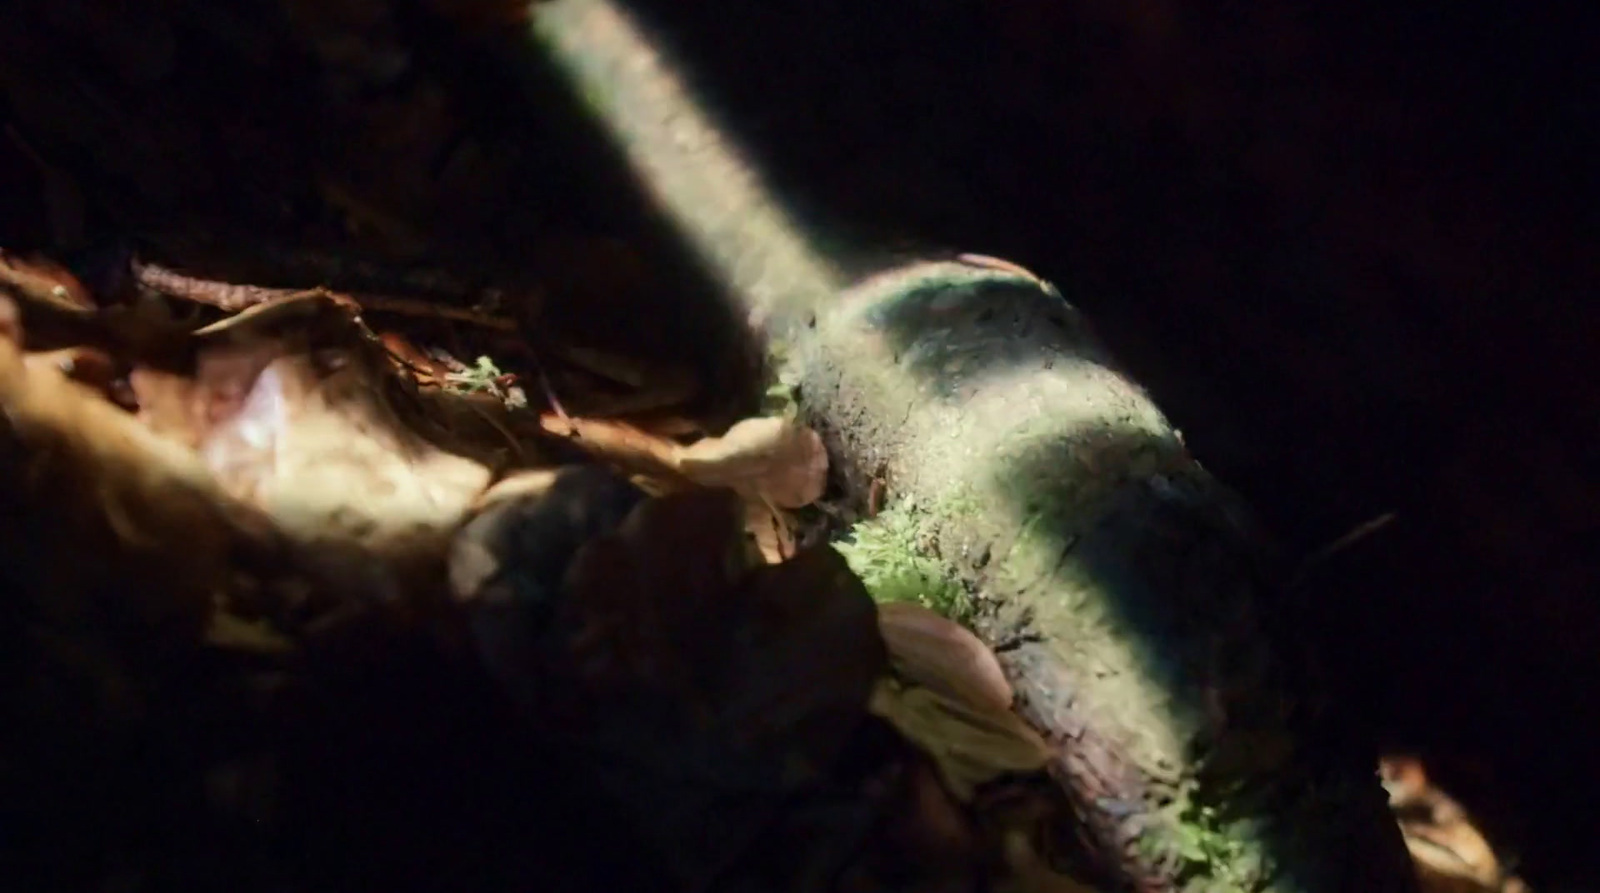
{"x": 970, "y": 745}
{"x": 935, "y": 652}
{"x": 1441, "y": 869}
{"x": 522, "y": 485}
{"x": 291, "y": 407}
{"x": 325, "y": 456}
{"x": 777, "y": 460}
{"x": 144, "y": 507}
{"x": 771, "y": 531}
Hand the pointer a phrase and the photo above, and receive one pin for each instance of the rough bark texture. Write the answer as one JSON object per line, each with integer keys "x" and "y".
{"x": 1124, "y": 589}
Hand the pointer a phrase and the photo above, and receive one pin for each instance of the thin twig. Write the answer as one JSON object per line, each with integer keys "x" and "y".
{"x": 422, "y": 308}
{"x": 233, "y": 298}
{"x": 1355, "y": 535}
{"x": 548, "y": 388}
{"x": 223, "y": 295}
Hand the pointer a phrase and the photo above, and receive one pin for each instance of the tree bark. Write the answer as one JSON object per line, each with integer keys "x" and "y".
{"x": 1126, "y": 592}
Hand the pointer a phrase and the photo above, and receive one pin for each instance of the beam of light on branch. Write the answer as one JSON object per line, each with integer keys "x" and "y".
{"x": 739, "y": 227}
{"x": 693, "y": 169}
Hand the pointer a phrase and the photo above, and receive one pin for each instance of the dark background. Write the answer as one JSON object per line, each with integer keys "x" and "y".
{"x": 1348, "y": 247}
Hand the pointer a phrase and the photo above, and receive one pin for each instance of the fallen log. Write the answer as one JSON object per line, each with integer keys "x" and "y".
{"x": 1124, "y": 590}
{"x": 1133, "y": 606}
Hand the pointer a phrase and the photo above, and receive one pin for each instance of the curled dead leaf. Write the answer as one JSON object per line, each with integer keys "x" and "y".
{"x": 1450, "y": 853}
{"x": 935, "y": 652}
{"x": 774, "y": 459}
{"x": 770, "y": 461}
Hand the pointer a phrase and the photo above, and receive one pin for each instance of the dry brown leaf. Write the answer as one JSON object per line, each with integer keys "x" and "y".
{"x": 1451, "y": 855}
{"x": 426, "y": 369}
{"x": 322, "y": 454}
{"x": 935, "y": 652}
{"x": 774, "y": 459}
{"x": 136, "y": 501}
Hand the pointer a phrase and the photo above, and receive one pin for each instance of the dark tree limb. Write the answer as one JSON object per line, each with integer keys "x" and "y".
{"x": 1127, "y": 594}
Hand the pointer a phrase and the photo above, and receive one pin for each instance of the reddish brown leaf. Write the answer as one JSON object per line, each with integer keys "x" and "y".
{"x": 938, "y": 653}
{"x": 45, "y": 281}
{"x": 426, "y": 369}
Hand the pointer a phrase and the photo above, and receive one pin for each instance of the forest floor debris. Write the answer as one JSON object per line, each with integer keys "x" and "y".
{"x": 291, "y": 462}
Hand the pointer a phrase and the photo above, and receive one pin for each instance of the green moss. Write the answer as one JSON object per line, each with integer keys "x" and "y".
{"x": 1212, "y": 852}
{"x": 888, "y": 554}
